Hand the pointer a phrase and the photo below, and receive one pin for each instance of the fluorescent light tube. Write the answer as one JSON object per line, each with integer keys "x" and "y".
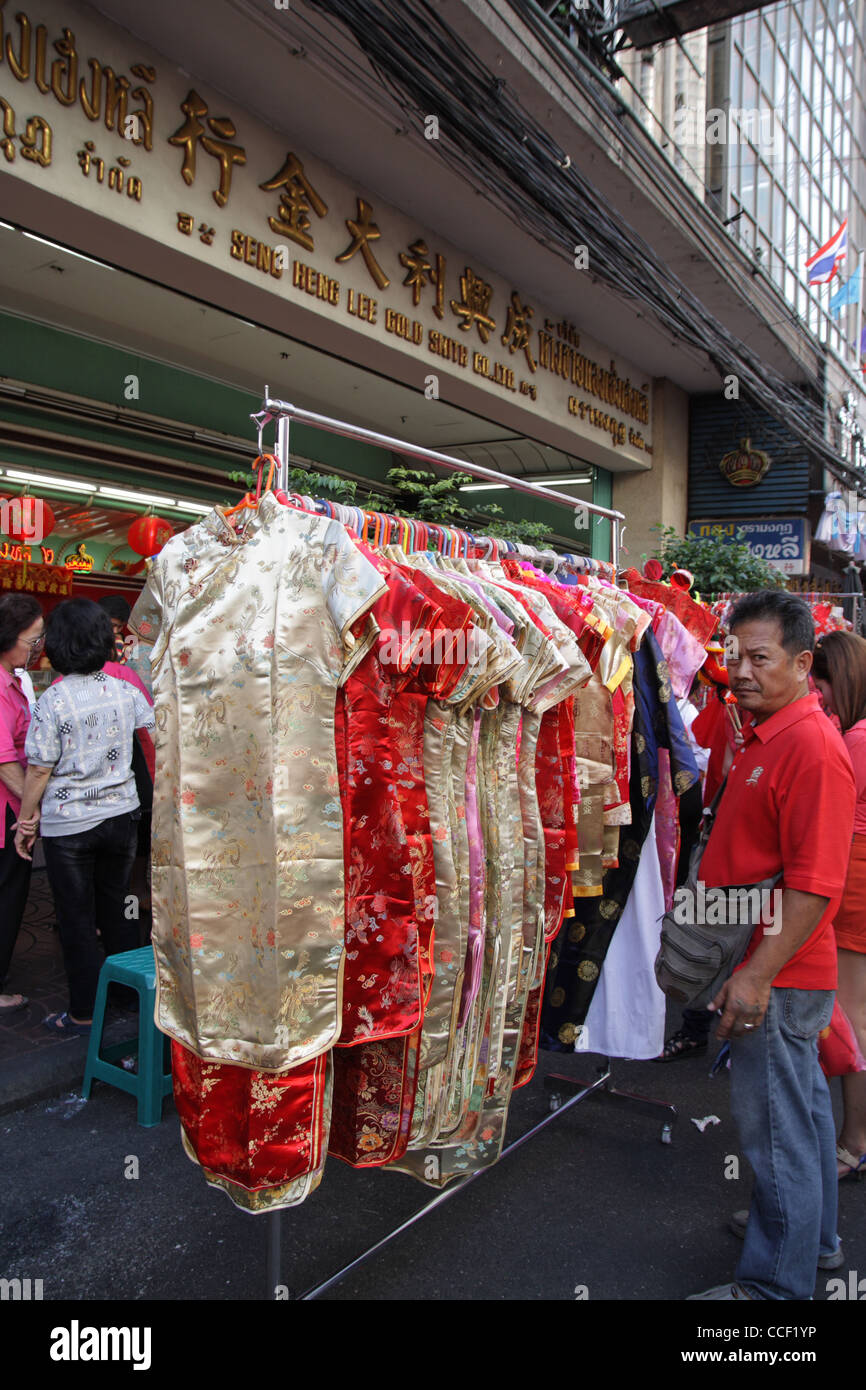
{"x": 122, "y": 495}
{"x": 55, "y": 246}
{"x": 45, "y": 481}
{"x": 484, "y": 487}
{"x": 553, "y": 479}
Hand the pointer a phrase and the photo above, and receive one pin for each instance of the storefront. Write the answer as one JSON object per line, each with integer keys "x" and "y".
{"x": 749, "y": 478}
{"x": 165, "y": 257}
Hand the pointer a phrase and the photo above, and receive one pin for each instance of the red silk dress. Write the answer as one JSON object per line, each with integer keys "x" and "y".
{"x": 375, "y": 1075}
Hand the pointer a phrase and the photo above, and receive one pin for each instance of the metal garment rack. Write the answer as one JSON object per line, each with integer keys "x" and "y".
{"x": 283, "y": 412}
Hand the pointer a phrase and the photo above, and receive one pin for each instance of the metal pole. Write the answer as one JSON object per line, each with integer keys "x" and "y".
{"x": 285, "y": 409}
{"x": 274, "y": 1234}
{"x": 449, "y": 1193}
{"x": 283, "y": 451}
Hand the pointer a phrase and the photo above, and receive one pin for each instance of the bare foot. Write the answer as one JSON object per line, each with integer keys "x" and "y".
{"x": 11, "y": 1001}
{"x": 854, "y": 1151}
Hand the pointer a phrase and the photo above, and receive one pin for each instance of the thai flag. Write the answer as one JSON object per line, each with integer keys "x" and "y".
{"x": 823, "y": 265}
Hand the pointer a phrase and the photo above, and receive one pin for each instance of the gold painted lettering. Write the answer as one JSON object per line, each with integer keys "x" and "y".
{"x": 443, "y": 346}
{"x": 64, "y": 70}
{"x": 36, "y": 141}
{"x": 116, "y": 90}
{"x": 237, "y": 246}
{"x": 116, "y": 176}
{"x": 7, "y": 144}
{"x": 91, "y": 103}
{"x": 41, "y": 36}
{"x": 144, "y": 116}
{"x": 20, "y": 66}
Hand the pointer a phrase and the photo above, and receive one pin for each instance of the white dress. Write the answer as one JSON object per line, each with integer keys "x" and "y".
{"x": 627, "y": 1015}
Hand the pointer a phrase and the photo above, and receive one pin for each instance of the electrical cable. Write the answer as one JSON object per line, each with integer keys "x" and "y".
{"x": 496, "y": 144}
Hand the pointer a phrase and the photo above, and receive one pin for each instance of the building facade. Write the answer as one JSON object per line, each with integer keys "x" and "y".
{"x": 194, "y": 212}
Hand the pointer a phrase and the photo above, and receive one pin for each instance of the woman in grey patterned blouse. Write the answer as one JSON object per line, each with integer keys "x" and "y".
{"x": 79, "y": 771}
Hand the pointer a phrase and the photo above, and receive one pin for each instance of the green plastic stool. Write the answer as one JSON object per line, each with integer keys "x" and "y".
{"x": 152, "y": 1081}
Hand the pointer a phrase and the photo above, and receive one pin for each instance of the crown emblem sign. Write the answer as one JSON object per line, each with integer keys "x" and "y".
{"x": 745, "y": 466}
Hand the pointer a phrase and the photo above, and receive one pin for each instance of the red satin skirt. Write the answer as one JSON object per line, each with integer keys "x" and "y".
{"x": 850, "y": 920}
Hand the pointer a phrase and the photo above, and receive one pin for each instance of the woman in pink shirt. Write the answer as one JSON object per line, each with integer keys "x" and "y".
{"x": 839, "y": 671}
{"x": 22, "y": 633}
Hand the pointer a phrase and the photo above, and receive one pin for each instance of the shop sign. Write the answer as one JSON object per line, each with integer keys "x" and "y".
{"x": 782, "y": 541}
{"x": 22, "y": 554}
{"x": 79, "y": 560}
{"x": 35, "y": 579}
{"x": 745, "y": 466}
{"x": 91, "y": 116}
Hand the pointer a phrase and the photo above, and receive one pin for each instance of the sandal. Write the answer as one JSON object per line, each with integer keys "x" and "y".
{"x": 854, "y": 1165}
{"x": 7, "y": 1009}
{"x": 680, "y": 1044}
{"x": 65, "y": 1026}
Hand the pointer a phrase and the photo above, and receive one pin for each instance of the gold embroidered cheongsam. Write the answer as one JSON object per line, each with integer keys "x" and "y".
{"x": 253, "y": 633}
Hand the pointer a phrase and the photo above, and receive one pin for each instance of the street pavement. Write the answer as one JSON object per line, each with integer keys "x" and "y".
{"x": 594, "y": 1206}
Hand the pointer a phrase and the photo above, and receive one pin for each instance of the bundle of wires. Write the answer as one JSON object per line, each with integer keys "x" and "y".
{"x": 499, "y": 147}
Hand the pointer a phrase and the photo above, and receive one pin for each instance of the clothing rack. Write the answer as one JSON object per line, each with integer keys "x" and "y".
{"x": 283, "y": 412}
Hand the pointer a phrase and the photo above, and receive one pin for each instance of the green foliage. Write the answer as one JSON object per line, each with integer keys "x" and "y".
{"x": 536, "y": 533}
{"x": 427, "y": 497}
{"x": 719, "y": 566}
{"x": 325, "y": 485}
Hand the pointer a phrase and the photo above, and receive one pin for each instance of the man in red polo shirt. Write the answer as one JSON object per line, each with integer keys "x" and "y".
{"x": 787, "y": 807}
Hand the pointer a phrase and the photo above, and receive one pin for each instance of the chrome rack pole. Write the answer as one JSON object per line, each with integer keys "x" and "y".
{"x": 285, "y": 411}
{"x": 283, "y": 451}
{"x": 449, "y": 1193}
{"x": 275, "y": 1230}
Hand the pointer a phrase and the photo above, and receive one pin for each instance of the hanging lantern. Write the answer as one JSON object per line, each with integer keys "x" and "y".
{"x": 26, "y": 520}
{"x": 149, "y": 534}
{"x": 682, "y": 579}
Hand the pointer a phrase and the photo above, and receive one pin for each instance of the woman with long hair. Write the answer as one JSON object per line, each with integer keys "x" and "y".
{"x": 22, "y": 632}
{"x": 839, "y": 671}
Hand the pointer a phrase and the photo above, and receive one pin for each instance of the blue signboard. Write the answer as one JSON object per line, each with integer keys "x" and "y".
{"x": 783, "y": 541}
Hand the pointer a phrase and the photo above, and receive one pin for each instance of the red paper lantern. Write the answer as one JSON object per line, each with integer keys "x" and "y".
{"x": 682, "y": 579}
{"x": 149, "y": 534}
{"x": 26, "y": 520}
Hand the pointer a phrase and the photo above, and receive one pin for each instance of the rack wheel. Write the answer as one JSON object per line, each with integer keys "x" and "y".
{"x": 555, "y": 1101}
{"x": 667, "y": 1132}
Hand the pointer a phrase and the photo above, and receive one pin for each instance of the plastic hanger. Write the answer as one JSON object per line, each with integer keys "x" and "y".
{"x": 248, "y": 500}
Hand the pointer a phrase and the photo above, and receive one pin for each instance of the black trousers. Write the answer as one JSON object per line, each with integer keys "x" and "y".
{"x": 14, "y": 885}
{"x": 89, "y": 875}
